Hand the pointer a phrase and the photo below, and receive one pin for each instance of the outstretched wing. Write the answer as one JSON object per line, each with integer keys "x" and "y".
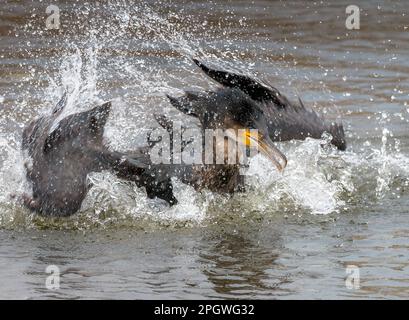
{"x": 297, "y": 122}
{"x": 256, "y": 91}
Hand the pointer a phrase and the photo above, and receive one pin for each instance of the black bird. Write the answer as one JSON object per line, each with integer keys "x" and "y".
{"x": 218, "y": 168}
{"x": 59, "y": 161}
{"x": 243, "y": 103}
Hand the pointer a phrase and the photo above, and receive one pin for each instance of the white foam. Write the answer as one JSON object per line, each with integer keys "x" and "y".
{"x": 317, "y": 179}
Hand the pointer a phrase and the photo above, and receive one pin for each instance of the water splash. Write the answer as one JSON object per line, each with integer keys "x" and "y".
{"x": 309, "y": 180}
{"x": 127, "y": 58}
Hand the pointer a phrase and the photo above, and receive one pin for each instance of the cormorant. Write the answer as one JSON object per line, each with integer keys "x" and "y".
{"x": 250, "y": 115}
{"x": 242, "y": 103}
{"x": 59, "y": 161}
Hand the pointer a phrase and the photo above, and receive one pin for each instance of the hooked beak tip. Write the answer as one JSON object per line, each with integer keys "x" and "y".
{"x": 268, "y": 149}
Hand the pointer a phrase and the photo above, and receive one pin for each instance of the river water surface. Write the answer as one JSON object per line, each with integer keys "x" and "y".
{"x": 291, "y": 235}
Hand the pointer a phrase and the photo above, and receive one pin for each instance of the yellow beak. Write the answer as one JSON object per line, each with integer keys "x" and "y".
{"x": 252, "y": 138}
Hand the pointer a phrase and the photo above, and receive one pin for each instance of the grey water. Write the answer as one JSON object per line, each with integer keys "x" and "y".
{"x": 295, "y": 235}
